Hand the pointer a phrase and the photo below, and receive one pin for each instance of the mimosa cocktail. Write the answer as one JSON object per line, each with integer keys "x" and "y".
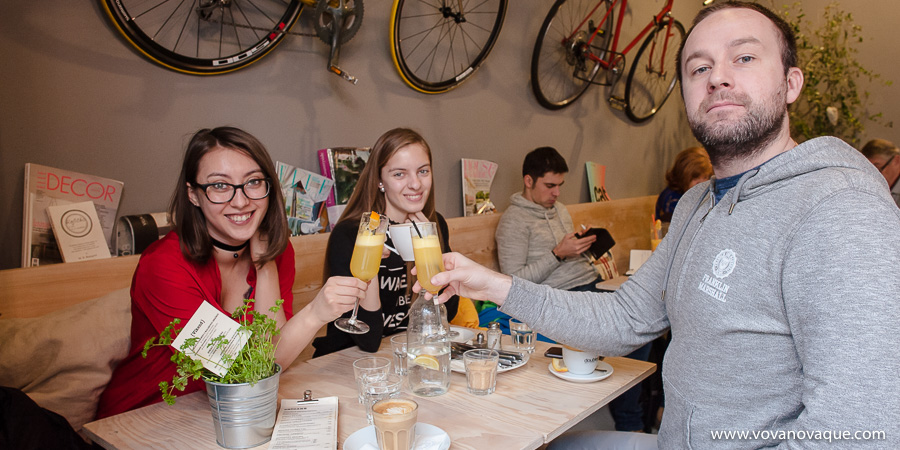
{"x": 366, "y": 257}
{"x": 429, "y": 261}
{"x": 364, "y": 264}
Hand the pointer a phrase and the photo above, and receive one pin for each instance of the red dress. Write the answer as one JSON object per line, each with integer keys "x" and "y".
{"x": 165, "y": 286}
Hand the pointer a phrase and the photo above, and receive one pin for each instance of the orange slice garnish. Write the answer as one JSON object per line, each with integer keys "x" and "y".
{"x": 374, "y": 221}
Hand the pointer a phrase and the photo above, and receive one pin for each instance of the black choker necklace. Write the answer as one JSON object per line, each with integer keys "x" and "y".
{"x": 229, "y": 248}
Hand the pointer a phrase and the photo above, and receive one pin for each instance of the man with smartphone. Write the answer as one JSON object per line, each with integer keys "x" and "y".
{"x": 537, "y": 241}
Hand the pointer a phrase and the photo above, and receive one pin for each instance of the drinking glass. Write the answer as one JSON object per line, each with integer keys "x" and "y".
{"x": 522, "y": 335}
{"x": 369, "y": 368}
{"x": 427, "y": 250}
{"x": 395, "y": 423}
{"x": 377, "y": 390}
{"x": 364, "y": 264}
{"x": 481, "y": 370}
{"x": 398, "y": 346}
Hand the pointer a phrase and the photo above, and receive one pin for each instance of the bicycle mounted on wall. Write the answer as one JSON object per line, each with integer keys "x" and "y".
{"x": 209, "y": 37}
{"x": 577, "y": 47}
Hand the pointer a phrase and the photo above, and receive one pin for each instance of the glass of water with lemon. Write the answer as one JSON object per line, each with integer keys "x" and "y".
{"x": 428, "y": 348}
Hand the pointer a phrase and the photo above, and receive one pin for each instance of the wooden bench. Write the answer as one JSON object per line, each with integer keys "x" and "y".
{"x": 33, "y": 292}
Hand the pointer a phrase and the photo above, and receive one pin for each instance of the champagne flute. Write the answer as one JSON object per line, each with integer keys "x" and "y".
{"x": 364, "y": 264}
{"x": 429, "y": 259}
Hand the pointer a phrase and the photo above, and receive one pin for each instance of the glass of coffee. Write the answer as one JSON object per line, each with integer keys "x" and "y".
{"x": 481, "y": 370}
{"x": 395, "y": 423}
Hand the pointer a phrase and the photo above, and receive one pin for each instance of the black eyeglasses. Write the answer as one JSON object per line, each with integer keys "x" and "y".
{"x": 881, "y": 169}
{"x": 221, "y": 192}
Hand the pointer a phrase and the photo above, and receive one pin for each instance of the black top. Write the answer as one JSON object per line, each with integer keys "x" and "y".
{"x": 395, "y": 297}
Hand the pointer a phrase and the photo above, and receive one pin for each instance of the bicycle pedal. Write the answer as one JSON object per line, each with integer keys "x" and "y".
{"x": 341, "y": 73}
{"x": 617, "y": 102}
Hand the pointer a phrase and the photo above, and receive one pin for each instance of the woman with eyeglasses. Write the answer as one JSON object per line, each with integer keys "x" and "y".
{"x": 230, "y": 242}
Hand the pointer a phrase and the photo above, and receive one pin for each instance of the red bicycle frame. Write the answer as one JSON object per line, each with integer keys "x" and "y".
{"x": 614, "y": 56}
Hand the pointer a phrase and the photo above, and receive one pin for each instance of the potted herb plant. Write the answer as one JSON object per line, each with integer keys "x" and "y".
{"x": 244, "y": 400}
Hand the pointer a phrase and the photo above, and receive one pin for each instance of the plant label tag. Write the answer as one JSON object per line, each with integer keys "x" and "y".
{"x": 209, "y": 327}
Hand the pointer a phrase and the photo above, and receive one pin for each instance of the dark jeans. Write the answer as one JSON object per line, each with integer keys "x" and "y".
{"x": 626, "y": 409}
{"x": 25, "y": 425}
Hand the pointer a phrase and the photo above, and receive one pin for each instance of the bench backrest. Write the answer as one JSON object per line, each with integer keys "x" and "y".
{"x": 33, "y": 292}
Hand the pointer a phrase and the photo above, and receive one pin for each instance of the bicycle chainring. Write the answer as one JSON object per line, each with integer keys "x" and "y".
{"x": 330, "y": 12}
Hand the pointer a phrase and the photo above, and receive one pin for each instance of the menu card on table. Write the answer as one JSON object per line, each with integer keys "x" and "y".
{"x": 304, "y": 424}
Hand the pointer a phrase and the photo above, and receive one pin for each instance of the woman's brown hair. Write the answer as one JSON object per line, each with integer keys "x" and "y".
{"x": 690, "y": 164}
{"x": 366, "y": 196}
{"x": 189, "y": 221}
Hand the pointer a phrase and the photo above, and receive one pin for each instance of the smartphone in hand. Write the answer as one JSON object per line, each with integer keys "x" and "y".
{"x": 603, "y": 243}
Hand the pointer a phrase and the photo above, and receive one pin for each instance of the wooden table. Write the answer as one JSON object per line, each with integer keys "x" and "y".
{"x": 530, "y": 407}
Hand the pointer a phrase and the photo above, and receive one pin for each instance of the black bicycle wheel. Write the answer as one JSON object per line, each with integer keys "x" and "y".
{"x": 436, "y": 46}
{"x": 203, "y": 37}
{"x": 653, "y": 74}
{"x": 561, "y": 65}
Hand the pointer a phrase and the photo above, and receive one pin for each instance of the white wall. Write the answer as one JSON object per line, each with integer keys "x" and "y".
{"x": 74, "y": 96}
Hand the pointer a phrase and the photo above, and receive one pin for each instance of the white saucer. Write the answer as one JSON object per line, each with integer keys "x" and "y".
{"x": 458, "y": 366}
{"x": 589, "y": 378}
{"x": 465, "y": 334}
{"x": 428, "y": 437}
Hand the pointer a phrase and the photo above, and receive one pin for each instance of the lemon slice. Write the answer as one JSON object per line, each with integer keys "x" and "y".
{"x": 374, "y": 221}
{"x": 427, "y": 361}
{"x": 559, "y": 365}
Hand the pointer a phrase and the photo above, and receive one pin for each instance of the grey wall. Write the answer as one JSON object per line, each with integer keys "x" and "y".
{"x": 74, "y": 96}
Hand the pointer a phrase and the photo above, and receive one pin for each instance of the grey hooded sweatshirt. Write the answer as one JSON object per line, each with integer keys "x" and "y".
{"x": 526, "y": 235}
{"x": 783, "y": 301}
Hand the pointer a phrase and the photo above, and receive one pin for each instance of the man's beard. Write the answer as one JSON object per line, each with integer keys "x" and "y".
{"x": 726, "y": 142}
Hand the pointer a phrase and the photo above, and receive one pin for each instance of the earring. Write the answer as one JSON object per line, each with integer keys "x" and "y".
{"x": 380, "y": 187}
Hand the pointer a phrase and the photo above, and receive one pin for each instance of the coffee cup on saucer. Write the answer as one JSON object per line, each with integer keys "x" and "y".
{"x": 580, "y": 362}
{"x": 395, "y": 423}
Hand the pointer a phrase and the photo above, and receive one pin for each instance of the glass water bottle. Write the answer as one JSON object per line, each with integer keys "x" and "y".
{"x": 428, "y": 348}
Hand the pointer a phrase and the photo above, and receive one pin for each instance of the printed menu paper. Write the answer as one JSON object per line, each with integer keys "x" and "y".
{"x": 207, "y": 324}
{"x": 304, "y": 424}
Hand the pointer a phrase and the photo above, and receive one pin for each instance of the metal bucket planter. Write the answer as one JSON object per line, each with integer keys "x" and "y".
{"x": 244, "y": 415}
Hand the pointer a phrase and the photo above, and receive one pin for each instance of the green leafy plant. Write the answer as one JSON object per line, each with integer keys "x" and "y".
{"x": 833, "y": 101}
{"x": 255, "y": 362}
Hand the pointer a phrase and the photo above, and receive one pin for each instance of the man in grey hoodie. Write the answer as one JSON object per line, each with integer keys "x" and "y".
{"x": 778, "y": 278}
{"x": 536, "y": 239}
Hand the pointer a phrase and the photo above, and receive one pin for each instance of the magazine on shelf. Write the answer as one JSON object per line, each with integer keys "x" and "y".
{"x": 342, "y": 165}
{"x": 78, "y": 233}
{"x": 304, "y": 198}
{"x": 48, "y": 186}
{"x": 596, "y": 176}
{"x": 477, "y": 176}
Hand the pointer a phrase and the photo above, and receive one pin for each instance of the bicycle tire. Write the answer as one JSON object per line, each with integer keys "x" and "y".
{"x": 430, "y": 45}
{"x": 653, "y": 74}
{"x": 203, "y": 37}
{"x": 560, "y": 68}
